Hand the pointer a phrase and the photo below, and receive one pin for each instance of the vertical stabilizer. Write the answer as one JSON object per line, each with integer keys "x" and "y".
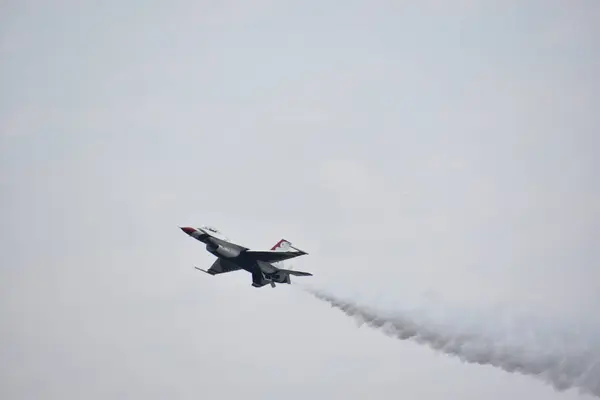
{"x": 282, "y": 245}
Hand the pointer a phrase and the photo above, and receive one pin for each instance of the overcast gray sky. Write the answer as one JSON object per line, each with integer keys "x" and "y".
{"x": 441, "y": 151}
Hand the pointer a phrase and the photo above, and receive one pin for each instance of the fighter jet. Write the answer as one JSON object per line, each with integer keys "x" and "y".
{"x": 264, "y": 265}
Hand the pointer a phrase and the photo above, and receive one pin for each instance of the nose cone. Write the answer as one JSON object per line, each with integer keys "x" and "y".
{"x": 188, "y": 230}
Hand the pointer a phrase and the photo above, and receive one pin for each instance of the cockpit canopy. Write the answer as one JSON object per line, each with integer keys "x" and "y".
{"x": 214, "y": 232}
{"x": 210, "y": 229}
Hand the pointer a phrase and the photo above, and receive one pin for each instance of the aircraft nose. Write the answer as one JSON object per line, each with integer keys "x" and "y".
{"x": 188, "y": 230}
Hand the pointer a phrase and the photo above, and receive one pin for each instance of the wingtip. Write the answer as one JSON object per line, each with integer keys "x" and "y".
{"x": 203, "y": 270}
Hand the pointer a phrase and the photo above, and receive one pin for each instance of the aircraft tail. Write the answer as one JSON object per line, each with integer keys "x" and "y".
{"x": 283, "y": 275}
{"x": 286, "y": 245}
{"x": 282, "y": 245}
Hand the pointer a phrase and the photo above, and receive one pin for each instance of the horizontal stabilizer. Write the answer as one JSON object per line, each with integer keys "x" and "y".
{"x": 296, "y": 273}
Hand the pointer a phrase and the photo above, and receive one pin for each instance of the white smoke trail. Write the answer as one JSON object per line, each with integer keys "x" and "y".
{"x": 570, "y": 365}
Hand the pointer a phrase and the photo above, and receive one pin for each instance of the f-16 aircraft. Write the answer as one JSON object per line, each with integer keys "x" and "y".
{"x": 264, "y": 265}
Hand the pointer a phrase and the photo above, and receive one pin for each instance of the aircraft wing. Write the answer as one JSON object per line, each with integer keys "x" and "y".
{"x": 274, "y": 256}
{"x": 220, "y": 267}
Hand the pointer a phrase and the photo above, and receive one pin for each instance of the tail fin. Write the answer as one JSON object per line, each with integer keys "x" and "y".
{"x": 282, "y": 245}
